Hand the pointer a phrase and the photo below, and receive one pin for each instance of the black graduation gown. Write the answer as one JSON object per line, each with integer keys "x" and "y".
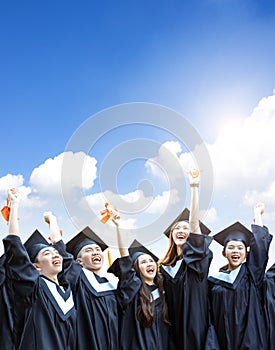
{"x": 237, "y": 300}
{"x": 270, "y": 305}
{"x": 6, "y": 321}
{"x": 186, "y": 289}
{"x": 43, "y": 320}
{"x": 133, "y": 335}
{"x": 97, "y": 310}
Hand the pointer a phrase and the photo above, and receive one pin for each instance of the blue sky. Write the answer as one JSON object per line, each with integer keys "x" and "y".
{"x": 211, "y": 61}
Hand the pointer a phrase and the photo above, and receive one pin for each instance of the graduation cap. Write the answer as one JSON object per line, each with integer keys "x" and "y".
{"x": 83, "y": 238}
{"x": 136, "y": 249}
{"x": 184, "y": 216}
{"x": 34, "y": 244}
{"x": 234, "y": 232}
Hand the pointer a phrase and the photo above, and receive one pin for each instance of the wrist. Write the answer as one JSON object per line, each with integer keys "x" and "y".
{"x": 194, "y": 185}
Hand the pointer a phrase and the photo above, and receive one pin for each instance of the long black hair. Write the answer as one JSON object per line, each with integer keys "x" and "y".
{"x": 145, "y": 311}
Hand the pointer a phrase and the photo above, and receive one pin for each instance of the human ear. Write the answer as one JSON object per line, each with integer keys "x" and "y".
{"x": 36, "y": 265}
{"x": 79, "y": 260}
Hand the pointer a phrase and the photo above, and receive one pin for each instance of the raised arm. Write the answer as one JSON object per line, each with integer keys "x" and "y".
{"x": 121, "y": 246}
{"x": 258, "y": 212}
{"x": 55, "y": 234}
{"x": 259, "y": 246}
{"x": 13, "y": 226}
{"x": 56, "y": 239}
{"x": 21, "y": 271}
{"x": 194, "y": 178}
{"x": 129, "y": 284}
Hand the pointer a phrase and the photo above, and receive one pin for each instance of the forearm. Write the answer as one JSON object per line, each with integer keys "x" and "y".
{"x": 194, "y": 210}
{"x": 194, "y": 179}
{"x": 258, "y": 220}
{"x": 13, "y": 226}
{"x": 123, "y": 251}
{"x": 55, "y": 233}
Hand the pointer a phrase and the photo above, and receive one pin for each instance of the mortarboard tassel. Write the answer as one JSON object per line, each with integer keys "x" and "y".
{"x": 109, "y": 257}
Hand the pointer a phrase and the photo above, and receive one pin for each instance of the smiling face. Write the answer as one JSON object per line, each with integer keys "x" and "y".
{"x": 91, "y": 257}
{"x": 48, "y": 262}
{"x": 147, "y": 268}
{"x": 235, "y": 252}
{"x": 180, "y": 232}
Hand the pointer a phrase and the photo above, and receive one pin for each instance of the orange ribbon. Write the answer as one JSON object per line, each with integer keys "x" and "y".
{"x": 5, "y": 211}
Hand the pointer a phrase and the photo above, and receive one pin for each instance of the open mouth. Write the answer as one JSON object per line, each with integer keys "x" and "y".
{"x": 181, "y": 236}
{"x": 150, "y": 270}
{"x": 57, "y": 262}
{"x": 96, "y": 259}
{"x": 235, "y": 258}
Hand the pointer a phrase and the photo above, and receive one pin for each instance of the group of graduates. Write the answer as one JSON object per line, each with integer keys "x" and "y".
{"x": 53, "y": 295}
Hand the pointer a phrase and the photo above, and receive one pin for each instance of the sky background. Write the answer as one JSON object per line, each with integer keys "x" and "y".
{"x": 69, "y": 67}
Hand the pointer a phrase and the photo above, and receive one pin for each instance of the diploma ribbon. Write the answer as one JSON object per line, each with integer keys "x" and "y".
{"x": 5, "y": 211}
{"x": 107, "y": 213}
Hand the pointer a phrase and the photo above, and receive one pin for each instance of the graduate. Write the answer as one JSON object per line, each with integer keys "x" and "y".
{"x": 144, "y": 320}
{"x": 236, "y": 291}
{"x": 6, "y": 321}
{"x": 185, "y": 269}
{"x": 95, "y": 296}
{"x": 43, "y": 307}
{"x": 270, "y": 305}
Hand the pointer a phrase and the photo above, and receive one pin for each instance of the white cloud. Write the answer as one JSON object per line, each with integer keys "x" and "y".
{"x": 173, "y": 146}
{"x": 187, "y": 161}
{"x": 209, "y": 216}
{"x": 134, "y": 207}
{"x": 141, "y": 205}
{"x": 160, "y": 202}
{"x": 44, "y": 192}
{"x": 266, "y": 196}
{"x": 166, "y": 165}
{"x": 243, "y": 165}
{"x": 71, "y": 170}
{"x": 127, "y": 203}
{"x": 171, "y": 164}
{"x": 242, "y": 153}
{"x": 24, "y": 192}
{"x": 10, "y": 181}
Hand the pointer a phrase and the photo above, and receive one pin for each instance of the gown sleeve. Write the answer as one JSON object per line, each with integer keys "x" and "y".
{"x": 270, "y": 303}
{"x": 6, "y": 319}
{"x": 129, "y": 283}
{"x": 258, "y": 255}
{"x": 23, "y": 274}
{"x": 24, "y": 281}
{"x": 2, "y": 269}
{"x": 196, "y": 253}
